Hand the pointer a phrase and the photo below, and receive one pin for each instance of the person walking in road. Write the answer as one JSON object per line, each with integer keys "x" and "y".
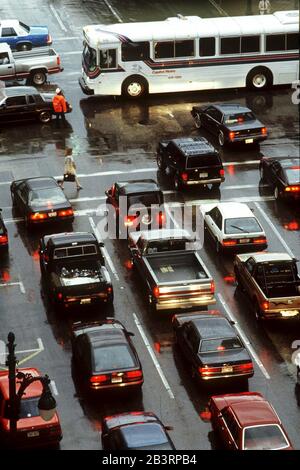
{"x": 70, "y": 170}
{"x": 264, "y": 7}
{"x": 59, "y": 105}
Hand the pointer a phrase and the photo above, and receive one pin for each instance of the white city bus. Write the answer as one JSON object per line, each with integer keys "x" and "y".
{"x": 191, "y": 53}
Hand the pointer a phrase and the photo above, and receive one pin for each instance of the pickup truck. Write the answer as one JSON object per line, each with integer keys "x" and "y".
{"x": 272, "y": 282}
{"x": 31, "y": 65}
{"x": 73, "y": 269}
{"x": 172, "y": 270}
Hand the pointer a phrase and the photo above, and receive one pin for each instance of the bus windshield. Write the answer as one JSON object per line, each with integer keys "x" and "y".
{"x": 90, "y": 58}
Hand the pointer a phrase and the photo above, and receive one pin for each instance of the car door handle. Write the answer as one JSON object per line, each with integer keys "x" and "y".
{"x": 9, "y": 66}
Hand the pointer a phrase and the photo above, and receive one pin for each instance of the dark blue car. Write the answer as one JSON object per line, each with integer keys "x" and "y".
{"x": 21, "y": 37}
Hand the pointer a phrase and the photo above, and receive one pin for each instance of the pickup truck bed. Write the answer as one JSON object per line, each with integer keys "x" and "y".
{"x": 179, "y": 267}
{"x": 74, "y": 274}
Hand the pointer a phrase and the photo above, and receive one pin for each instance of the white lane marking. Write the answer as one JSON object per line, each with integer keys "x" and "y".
{"x": 58, "y": 18}
{"x": 53, "y": 387}
{"x": 104, "y": 250}
{"x": 33, "y": 350}
{"x": 153, "y": 357}
{"x": 218, "y": 8}
{"x": 63, "y": 54}
{"x": 20, "y": 284}
{"x": 268, "y": 220}
{"x": 40, "y": 343}
{"x": 57, "y": 38}
{"x": 244, "y": 337}
{"x": 113, "y": 11}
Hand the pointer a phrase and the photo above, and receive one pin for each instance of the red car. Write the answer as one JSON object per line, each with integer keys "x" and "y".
{"x": 246, "y": 421}
{"x": 32, "y": 430}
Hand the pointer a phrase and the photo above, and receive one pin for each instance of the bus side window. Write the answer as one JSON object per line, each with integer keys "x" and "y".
{"x": 207, "y": 47}
{"x": 108, "y": 59}
{"x": 135, "y": 51}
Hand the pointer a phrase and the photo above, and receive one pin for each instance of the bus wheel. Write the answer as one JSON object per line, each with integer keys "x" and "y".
{"x": 135, "y": 87}
{"x": 259, "y": 78}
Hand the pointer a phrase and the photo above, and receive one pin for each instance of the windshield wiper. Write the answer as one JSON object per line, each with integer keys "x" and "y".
{"x": 240, "y": 228}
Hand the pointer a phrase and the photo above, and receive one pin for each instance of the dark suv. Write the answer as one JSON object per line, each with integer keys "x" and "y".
{"x": 3, "y": 235}
{"x": 190, "y": 161}
{"x": 24, "y": 103}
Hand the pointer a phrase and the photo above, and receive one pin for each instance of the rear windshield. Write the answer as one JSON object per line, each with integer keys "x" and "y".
{"x": 80, "y": 250}
{"x": 113, "y": 357}
{"x": 293, "y": 175}
{"x": 24, "y": 26}
{"x": 146, "y": 199}
{"x": 28, "y": 408}
{"x": 220, "y": 344}
{"x": 238, "y": 118}
{"x": 48, "y": 196}
{"x": 242, "y": 225}
{"x": 268, "y": 437}
{"x": 137, "y": 435}
{"x": 167, "y": 245}
{"x": 283, "y": 272}
{"x": 201, "y": 161}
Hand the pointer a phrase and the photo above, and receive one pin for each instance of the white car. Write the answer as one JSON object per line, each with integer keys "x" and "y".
{"x": 233, "y": 226}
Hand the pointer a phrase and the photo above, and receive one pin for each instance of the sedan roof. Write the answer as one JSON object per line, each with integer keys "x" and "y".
{"x": 40, "y": 182}
{"x": 129, "y": 418}
{"x": 234, "y": 210}
{"x": 254, "y": 413}
{"x": 232, "y": 108}
{"x": 214, "y": 327}
{"x": 19, "y": 91}
{"x": 137, "y": 186}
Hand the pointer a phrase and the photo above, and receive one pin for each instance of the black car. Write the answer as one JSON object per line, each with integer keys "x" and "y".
{"x": 41, "y": 200}
{"x": 283, "y": 174}
{"x": 137, "y": 205}
{"x": 104, "y": 356}
{"x": 137, "y": 430}
{"x": 3, "y": 235}
{"x": 230, "y": 123}
{"x": 190, "y": 161}
{"x": 211, "y": 346}
{"x": 24, "y": 103}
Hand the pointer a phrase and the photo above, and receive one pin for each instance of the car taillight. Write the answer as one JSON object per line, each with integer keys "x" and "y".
{"x": 156, "y": 292}
{"x": 59, "y": 296}
{"x": 58, "y": 60}
{"x": 259, "y": 241}
{"x": 229, "y": 242}
{"x": 3, "y": 239}
{"x": 243, "y": 367}
{"x": 109, "y": 290}
{"x": 265, "y": 305}
{"x": 54, "y": 430}
{"x": 128, "y": 220}
{"x": 161, "y": 218}
{"x": 292, "y": 189}
{"x": 212, "y": 287}
{"x": 98, "y": 379}
{"x": 231, "y": 135}
{"x": 222, "y": 172}
{"x": 65, "y": 213}
{"x": 49, "y": 39}
{"x": 38, "y": 216}
{"x": 263, "y": 131}
{"x": 206, "y": 371}
{"x": 294, "y": 225}
{"x": 184, "y": 176}
{"x": 134, "y": 374}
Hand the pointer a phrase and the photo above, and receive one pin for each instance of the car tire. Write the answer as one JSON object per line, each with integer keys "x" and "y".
{"x": 160, "y": 162}
{"x": 257, "y": 311}
{"x": 198, "y": 122}
{"x": 218, "y": 246}
{"x": 238, "y": 281}
{"x": 38, "y": 77}
{"x": 45, "y": 117}
{"x": 135, "y": 87}
{"x": 26, "y": 46}
{"x": 276, "y": 193}
{"x": 260, "y": 78}
{"x": 261, "y": 173}
{"x": 221, "y": 138}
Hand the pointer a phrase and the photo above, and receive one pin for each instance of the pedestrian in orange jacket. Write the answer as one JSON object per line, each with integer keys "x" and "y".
{"x": 59, "y": 105}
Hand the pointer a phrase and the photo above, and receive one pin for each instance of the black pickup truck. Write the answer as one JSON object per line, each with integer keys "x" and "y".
{"x": 73, "y": 269}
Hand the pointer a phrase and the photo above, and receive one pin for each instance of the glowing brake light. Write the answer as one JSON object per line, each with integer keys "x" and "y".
{"x": 231, "y": 135}
{"x": 49, "y": 39}
{"x": 65, "y": 213}
{"x": 229, "y": 242}
{"x": 292, "y": 189}
{"x": 222, "y": 172}
{"x": 243, "y": 367}
{"x": 292, "y": 225}
{"x": 263, "y": 130}
{"x": 205, "y": 371}
{"x": 3, "y": 239}
{"x": 59, "y": 296}
{"x": 212, "y": 287}
{"x": 265, "y": 305}
{"x": 58, "y": 60}
{"x": 98, "y": 379}
{"x": 156, "y": 291}
{"x": 161, "y": 218}
{"x": 259, "y": 241}
{"x": 38, "y": 216}
{"x": 184, "y": 176}
{"x": 221, "y": 348}
{"x": 109, "y": 290}
{"x": 128, "y": 220}
{"x": 134, "y": 374}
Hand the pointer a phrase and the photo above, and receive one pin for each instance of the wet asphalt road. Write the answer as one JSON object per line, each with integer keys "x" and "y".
{"x": 113, "y": 139}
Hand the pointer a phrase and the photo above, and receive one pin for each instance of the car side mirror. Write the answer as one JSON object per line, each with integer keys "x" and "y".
{"x": 108, "y": 192}
{"x": 169, "y": 428}
{"x": 130, "y": 333}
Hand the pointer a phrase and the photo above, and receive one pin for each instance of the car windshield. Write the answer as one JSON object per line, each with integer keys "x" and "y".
{"x": 146, "y": 199}
{"x": 202, "y": 161}
{"x": 144, "y": 435}
{"x": 113, "y": 357}
{"x": 42, "y": 197}
{"x": 268, "y": 437}
{"x": 90, "y": 58}
{"x": 220, "y": 344}
{"x": 293, "y": 175}
{"x": 242, "y": 225}
{"x": 28, "y": 408}
{"x": 238, "y": 118}
{"x": 24, "y": 26}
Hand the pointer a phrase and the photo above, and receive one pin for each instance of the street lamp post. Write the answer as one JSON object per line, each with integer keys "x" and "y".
{"x": 46, "y": 404}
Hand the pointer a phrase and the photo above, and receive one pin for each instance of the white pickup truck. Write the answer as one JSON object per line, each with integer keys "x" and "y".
{"x": 31, "y": 65}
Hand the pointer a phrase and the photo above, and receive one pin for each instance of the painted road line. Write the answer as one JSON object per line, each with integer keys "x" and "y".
{"x": 104, "y": 250}
{"x": 9, "y": 284}
{"x": 25, "y": 351}
{"x": 268, "y": 220}
{"x": 153, "y": 357}
{"x": 113, "y": 11}
{"x": 53, "y": 387}
{"x": 34, "y": 353}
{"x": 63, "y": 54}
{"x": 70, "y": 38}
{"x": 58, "y": 18}
{"x": 244, "y": 337}
{"x": 218, "y": 8}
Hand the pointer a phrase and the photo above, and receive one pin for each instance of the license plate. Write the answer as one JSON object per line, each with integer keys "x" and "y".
{"x": 52, "y": 214}
{"x": 289, "y": 313}
{"x": 203, "y": 175}
{"x": 85, "y": 301}
{"x": 116, "y": 380}
{"x": 226, "y": 369}
{"x": 249, "y": 141}
{"x": 244, "y": 240}
{"x": 33, "y": 434}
